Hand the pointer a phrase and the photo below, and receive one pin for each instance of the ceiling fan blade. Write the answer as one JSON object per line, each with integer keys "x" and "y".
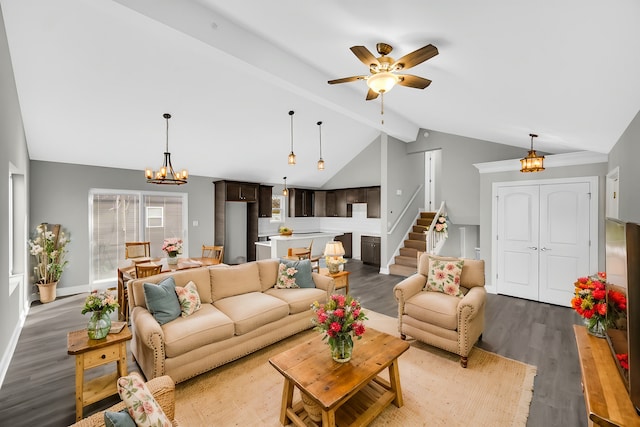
{"x": 416, "y": 57}
{"x": 346, "y": 80}
{"x": 413, "y": 81}
{"x": 365, "y": 56}
{"x": 371, "y": 95}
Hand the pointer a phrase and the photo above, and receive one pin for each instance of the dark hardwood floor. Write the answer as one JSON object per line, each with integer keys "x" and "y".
{"x": 39, "y": 388}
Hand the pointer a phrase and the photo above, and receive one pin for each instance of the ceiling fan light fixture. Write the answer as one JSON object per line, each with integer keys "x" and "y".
{"x": 292, "y": 157}
{"x": 165, "y": 175}
{"x": 532, "y": 162}
{"x": 382, "y": 82}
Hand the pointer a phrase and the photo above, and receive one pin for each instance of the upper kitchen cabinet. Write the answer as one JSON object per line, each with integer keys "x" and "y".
{"x": 264, "y": 202}
{"x": 300, "y": 202}
{"x": 241, "y": 191}
{"x": 356, "y": 195}
{"x": 319, "y": 203}
{"x": 336, "y": 203}
{"x": 373, "y": 202}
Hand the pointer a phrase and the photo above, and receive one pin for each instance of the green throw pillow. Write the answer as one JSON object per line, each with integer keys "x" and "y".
{"x": 303, "y": 276}
{"x": 162, "y": 300}
{"x": 118, "y": 419}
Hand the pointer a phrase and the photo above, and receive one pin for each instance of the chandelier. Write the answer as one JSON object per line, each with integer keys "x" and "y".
{"x": 532, "y": 162}
{"x": 166, "y": 175}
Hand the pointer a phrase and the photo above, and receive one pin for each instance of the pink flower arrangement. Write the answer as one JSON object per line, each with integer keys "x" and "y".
{"x": 172, "y": 246}
{"x": 340, "y": 316}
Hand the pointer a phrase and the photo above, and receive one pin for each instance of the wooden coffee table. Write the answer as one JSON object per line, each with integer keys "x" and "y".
{"x": 349, "y": 393}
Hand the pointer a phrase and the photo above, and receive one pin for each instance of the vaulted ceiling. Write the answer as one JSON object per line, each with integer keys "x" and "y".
{"x": 94, "y": 78}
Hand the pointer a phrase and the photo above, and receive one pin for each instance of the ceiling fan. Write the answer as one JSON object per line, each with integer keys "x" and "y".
{"x": 384, "y": 70}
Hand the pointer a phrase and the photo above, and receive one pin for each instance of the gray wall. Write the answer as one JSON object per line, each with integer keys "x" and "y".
{"x": 458, "y": 178}
{"x": 486, "y": 203}
{"x": 13, "y": 149}
{"x": 625, "y": 155}
{"x": 60, "y": 195}
{"x": 362, "y": 171}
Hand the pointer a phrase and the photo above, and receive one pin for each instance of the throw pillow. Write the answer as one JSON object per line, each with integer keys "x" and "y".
{"x": 286, "y": 277}
{"x": 444, "y": 276}
{"x": 189, "y": 298}
{"x": 142, "y": 406}
{"x": 118, "y": 419}
{"x": 162, "y": 300}
{"x": 303, "y": 274}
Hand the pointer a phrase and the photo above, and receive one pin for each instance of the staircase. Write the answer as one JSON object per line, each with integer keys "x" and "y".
{"x": 406, "y": 263}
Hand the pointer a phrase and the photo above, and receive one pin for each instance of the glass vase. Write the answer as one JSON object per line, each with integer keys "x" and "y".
{"x": 596, "y": 327}
{"x": 341, "y": 348}
{"x": 172, "y": 258}
{"x": 99, "y": 325}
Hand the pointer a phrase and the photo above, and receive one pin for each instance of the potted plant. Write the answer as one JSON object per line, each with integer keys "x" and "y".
{"x": 49, "y": 249}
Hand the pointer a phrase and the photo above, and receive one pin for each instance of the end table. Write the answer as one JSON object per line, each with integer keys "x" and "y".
{"x": 341, "y": 279}
{"x": 92, "y": 353}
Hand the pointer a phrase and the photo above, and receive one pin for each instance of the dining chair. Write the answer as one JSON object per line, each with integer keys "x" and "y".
{"x": 215, "y": 252}
{"x": 147, "y": 270}
{"x": 137, "y": 249}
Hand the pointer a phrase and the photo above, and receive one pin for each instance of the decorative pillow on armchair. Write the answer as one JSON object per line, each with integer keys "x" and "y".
{"x": 142, "y": 406}
{"x": 444, "y": 276}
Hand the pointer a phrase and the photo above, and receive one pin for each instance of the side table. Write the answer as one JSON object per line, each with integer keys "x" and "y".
{"x": 341, "y": 279}
{"x": 93, "y": 353}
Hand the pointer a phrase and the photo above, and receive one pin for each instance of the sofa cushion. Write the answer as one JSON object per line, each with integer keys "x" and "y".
{"x": 251, "y": 310}
{"x": 205, "y": 326}
{"x": 231, "y": 280}
{"x": 303, "y": 273}
{"x": 118, "y": 419}
{"x": 300, "y": 299}
{"x": 435, "y": 308}
{"x": 162, "y": 300}
{"x": 189, "y": 299}
{"x": 268, "y": 272}
{"x": 142, "y": 406}
{"x": 444, "y": 276}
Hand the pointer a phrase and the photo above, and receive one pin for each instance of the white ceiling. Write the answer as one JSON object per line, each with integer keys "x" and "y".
{"x": 94, "y": 78}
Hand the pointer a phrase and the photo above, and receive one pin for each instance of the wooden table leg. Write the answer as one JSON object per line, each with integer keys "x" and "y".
{"x": 122, "y": 359}
{"x": 287, "y": 401}
{"x": 329, "y": 418}
{"x": 79, "y": 385}
{"x": 394, "y": 380}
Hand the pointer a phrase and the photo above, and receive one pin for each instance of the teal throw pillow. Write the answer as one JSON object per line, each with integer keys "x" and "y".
{"x": 162, "y": 300}
{"x": 118, "y": 419}
{"x": 303, "y": 276}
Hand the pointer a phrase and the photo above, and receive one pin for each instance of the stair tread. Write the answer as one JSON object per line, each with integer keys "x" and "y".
{"x": 402, "y": 270}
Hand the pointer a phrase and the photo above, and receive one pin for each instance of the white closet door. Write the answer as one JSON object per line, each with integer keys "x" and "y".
{"x": 564, "y": 240}
{"x": 517, "y": 240}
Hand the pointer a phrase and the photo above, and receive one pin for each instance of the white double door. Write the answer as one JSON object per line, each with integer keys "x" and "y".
{"x": 544, "y": 238}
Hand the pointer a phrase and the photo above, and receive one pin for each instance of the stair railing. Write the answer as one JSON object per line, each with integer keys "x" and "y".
{"x": 406, "y": 208}
{"x": 436, "y": 239}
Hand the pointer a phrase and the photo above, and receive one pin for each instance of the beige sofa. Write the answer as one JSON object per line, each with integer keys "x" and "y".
{"x": 241, "y": 312}
{"x": 448, "y": 322}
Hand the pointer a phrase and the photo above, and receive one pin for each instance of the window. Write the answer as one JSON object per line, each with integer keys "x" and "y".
{"x": 277, "y": 209}
{"x": 17, "y": 227}
{"x": 119, "y": 216}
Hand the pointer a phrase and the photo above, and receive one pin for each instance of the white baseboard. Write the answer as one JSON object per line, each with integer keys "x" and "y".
{"x": 11, "y": 348}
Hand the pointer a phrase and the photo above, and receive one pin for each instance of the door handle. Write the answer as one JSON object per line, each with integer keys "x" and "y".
{"x": 545, "y": 249}
{"x": 533, "y": 248}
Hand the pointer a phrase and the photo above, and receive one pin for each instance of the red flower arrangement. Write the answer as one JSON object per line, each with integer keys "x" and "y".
{"x": 595, "y": 303}
{"x": 339, "y": 319}
{"x": 624, "y": 360}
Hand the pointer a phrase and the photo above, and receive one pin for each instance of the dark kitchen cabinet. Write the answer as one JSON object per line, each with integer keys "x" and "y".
{"x": 319, "y": 203}
{"x": 264, "y": 203}
{"x": 356, "y": 195}
{"x": 370, "y": 250}
{"x": 347, "y": 243}
{"x": 241, "y": 192}
{"x": 373, "y": 202}
{"x": 300, "y": 202}
{"x": 336, "y": 203}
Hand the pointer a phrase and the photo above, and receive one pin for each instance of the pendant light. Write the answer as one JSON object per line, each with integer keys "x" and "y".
{"x": 532, "y": 162}
{"x": 166, "y": 175}
{"x": 292, "y": 157}
{"x": 320, "y": 162}
{"x": 285, "y": 192}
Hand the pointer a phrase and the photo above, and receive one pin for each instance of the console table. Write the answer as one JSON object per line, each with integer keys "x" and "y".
{"x": 605, "y": 394}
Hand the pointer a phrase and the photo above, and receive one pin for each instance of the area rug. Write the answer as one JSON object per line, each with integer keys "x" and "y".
{"x": 492, "y": 391}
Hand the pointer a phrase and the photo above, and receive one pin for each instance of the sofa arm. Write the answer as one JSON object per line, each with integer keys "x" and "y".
{"x": 323, "y": 282}
{"x": 405, "y": 290}
{"x": 149, "y": 342}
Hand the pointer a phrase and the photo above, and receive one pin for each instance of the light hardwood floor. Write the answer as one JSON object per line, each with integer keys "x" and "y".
{"x": 39, "y": 386}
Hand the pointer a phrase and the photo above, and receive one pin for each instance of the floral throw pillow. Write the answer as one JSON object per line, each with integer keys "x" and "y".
{"x": 286, "y": 279}
{"x": 142, "y": 406}
{"x": 189, "y": 299}
{"x": 444, "y": 276}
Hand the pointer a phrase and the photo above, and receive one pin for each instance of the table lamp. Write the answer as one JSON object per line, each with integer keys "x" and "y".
{"x": 333, "y": 252}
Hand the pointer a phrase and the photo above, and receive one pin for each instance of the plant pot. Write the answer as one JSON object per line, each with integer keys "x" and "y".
{"x": 47, "y": 291}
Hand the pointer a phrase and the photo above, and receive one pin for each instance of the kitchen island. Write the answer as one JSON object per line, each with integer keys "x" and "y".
{"x": 277, "y": 246}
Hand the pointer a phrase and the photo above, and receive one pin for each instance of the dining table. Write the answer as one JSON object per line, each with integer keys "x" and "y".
{"x": 127, "y": 271}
